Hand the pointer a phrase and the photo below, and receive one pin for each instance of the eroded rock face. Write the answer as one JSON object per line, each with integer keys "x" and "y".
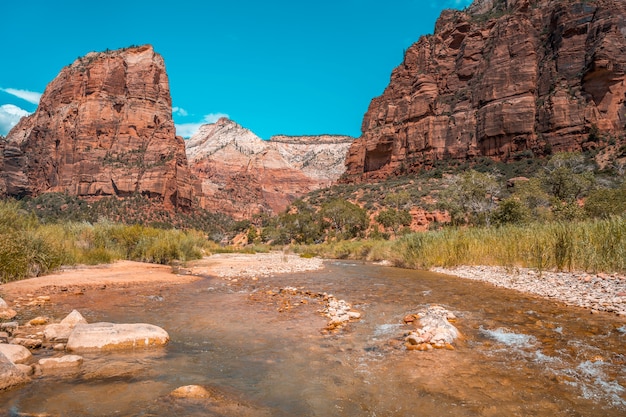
{"x": 504, "y": 77}
{"x": 243, "y": 175}
{"x": 103, "y": 127}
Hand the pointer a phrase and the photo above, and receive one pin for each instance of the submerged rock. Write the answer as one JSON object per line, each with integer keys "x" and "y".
{"x": 191, "y": 391}
{"x": 110, "y": 336}
{"x": 60, "y": 364}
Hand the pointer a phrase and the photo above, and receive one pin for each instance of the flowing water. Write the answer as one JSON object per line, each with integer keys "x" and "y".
{"x": 519, "y": 356}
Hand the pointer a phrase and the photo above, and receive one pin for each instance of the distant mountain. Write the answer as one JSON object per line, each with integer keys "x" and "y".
{"x": 505, "y": 79}
{"x": 243, "y": 175}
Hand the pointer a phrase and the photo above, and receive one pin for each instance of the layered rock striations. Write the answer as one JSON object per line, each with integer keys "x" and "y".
{"x": 103, "y": 128}
{"x": 243, "y": 175}
{"x": 500, "y": 79}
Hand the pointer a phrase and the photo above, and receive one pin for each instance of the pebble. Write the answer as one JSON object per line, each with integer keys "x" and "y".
{"x": 601, "y": 292}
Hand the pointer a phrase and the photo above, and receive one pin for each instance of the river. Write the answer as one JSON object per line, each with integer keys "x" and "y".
{"x": 266, "y": 354}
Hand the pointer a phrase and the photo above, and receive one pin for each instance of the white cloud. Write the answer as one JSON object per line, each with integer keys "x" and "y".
{"x": 179, "y": 111}
{"x": 30, "y": 96}
{"x": 187, "y": 130}
{"x": 9, "y": 116}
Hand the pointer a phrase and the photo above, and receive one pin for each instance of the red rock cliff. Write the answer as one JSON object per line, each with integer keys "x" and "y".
{"x": 103, "y": 127}
{"x": 503, "y": 77}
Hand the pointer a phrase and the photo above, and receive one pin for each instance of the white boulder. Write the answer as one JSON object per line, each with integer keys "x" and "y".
{"x": 110, "y": 336}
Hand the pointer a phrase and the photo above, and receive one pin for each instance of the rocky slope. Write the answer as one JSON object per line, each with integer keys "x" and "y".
{"x": 502, "y": 79}
{"x": 103, "y": 127}
{"x": 243, "y": 175}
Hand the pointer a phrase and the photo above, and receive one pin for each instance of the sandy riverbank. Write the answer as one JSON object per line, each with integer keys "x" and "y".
{"x": 128, "y": 273}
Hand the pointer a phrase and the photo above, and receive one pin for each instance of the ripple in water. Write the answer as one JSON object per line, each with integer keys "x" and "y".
{"x": 509, "y": 338}
{"x": 595, "y": 385}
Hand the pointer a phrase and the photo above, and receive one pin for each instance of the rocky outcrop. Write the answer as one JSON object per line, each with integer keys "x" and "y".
{"x": 103, "y": 128}
{"x": 243, "y": 175}
{"x": 502, "y": 79}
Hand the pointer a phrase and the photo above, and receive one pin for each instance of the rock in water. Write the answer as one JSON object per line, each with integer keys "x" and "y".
{"x": 15, "y": 353}
{"x": 63, "y": 363}
{"x": 103, "y": 127}
{"x": 502, "y": 80}
{"x": 435, "y": 329}
{"x": 110, "y": 336}
{"x": 10, "y": 375}
{"x": 60, "y": 332}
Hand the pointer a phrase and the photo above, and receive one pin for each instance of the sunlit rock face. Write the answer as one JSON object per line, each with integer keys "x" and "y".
{"x": 500, "y": 79}
{"x": 103, "y": 127}
{"x": 243, "y": 175}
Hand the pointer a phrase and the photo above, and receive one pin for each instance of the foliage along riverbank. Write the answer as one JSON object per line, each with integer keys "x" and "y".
{"x": 592, "y": 246}
{"x": 30, "y": 248}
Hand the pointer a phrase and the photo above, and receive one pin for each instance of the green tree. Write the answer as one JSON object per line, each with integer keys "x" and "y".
{"x": 471, "y": 197}
{"x": 567, "y": 177}
{"x": 393, "y": 219}
{"x": 606, "y": 202}
{"x": 511, "y": 210}
{"x": 398, "y": 200}
{"x": 345, "y": 219}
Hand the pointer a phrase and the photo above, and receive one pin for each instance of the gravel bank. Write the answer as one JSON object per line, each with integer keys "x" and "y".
{"x": 598, "y": 292}
{"x": 237, "y": 265}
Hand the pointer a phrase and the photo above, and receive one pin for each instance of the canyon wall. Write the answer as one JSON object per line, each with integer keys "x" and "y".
{"x": 503, "y": 79}
{"x": 103, "y": 128}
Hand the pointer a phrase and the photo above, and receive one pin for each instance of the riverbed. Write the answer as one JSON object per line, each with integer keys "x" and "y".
{"x": 267, "y": 352}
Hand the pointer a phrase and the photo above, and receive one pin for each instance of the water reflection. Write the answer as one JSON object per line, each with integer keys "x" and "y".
{"x": 519, "y": 355}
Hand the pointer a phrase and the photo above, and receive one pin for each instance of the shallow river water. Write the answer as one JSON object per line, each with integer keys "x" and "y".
{"x": 264, "y": 355}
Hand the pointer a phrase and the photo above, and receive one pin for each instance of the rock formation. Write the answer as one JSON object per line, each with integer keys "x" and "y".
{"x": 243, "y": 175}
{"x": 502, "y": 79}
{"x": 103, "y": 127}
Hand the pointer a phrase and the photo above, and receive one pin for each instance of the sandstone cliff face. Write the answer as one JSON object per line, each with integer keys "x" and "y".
{"x": 243, "y": 175}
{"x": 103, "y": 127}
{"x": 504, "y": 77}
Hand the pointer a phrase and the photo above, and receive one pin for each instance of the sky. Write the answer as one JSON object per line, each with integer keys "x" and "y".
{"x": 274, "y": 67}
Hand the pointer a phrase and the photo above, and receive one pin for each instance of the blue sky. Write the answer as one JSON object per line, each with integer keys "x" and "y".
{"x": 275, "y": 67}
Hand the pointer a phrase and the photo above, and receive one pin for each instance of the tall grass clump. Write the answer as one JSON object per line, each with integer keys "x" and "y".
{"x": 592, "y": 246}
{"x": 29, "y": 248}
{"x": 26, "y": 249}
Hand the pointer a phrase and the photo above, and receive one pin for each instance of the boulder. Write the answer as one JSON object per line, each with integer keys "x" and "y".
{"x": 7, "y": 313}
{"x": 57, "y": 332}
{"x": 15, "y": 353}
{"x": 110, "y": 336}
{"x": 30, "y": 343}
{"x": 63, "y": 363}
{"x": 60, "y": 332}
{"x": 73, "y": 319}
{"x": 10, "y": 375}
